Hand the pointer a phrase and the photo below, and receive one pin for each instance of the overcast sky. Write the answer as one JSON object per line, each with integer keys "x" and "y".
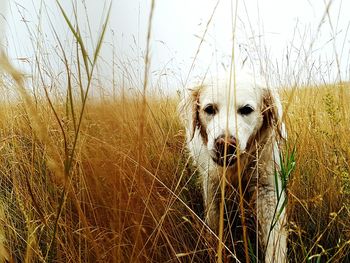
{"x": 288, "y": 40}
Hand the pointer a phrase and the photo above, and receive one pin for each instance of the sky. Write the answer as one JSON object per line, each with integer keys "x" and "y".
{"x": 286, "y": 41}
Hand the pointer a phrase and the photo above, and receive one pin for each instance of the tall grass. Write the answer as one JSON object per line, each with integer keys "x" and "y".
{"x": 319, "y": 190}
{"x": 75, "y": 185}
{"x": 103, "y": 207}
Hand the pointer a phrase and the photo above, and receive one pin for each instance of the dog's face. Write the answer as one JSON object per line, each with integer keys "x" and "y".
{"x": 228, "y": 121}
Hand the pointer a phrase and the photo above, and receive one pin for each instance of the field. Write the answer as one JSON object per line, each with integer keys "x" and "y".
{"x": 120, "y": 189}
{"x": 108, "y": 179}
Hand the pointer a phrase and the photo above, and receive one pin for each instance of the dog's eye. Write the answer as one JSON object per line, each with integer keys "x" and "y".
{"x": 210, "y": 109}
{"x": 245, "y": 110}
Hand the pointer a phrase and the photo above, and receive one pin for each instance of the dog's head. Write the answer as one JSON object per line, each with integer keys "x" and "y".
{"x": 228, "y": 121}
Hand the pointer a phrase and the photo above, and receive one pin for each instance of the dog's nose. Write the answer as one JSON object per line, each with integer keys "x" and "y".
{"x": 220, "y": 146}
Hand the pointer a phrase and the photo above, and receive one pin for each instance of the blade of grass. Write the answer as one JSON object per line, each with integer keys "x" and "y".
{"x": 89, "y": 73}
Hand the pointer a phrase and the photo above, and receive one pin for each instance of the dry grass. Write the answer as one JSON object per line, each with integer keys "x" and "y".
{"x": 318, "y": 124}
{"x": 109, "y": 196}
{"x": 106, "y": 185}
{"x": 102, "y": 180}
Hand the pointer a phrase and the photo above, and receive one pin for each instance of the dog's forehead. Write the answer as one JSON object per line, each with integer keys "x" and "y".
{"x": 245, "y": 93}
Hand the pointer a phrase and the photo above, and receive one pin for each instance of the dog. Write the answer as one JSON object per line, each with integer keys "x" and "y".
{"x": 233, "y": 134}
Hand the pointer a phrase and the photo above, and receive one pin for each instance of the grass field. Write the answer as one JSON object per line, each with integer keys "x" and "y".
{"x": 129, "y": 198}
{"x": 108, "y": 179}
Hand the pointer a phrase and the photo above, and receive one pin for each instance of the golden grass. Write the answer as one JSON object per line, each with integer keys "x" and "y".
{"x": 87, "y": 180}
{"x": 318, "y": 124}
{"x": 114, "y": 210}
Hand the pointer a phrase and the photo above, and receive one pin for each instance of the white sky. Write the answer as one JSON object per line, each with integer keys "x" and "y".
{"x": 292, "y": 41}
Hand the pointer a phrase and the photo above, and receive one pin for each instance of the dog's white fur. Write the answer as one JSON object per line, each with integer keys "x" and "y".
{"x": 257, "y": 135}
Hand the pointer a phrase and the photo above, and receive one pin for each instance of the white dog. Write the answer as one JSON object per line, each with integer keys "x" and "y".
{"x": 224, "y": 125}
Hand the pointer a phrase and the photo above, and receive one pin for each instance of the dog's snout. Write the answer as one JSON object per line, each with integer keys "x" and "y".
{"x": 220, "y": 143}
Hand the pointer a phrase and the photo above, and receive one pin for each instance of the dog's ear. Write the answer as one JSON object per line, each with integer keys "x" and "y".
{"x": 189, "y": 110}
{"x": 272, "y": 113}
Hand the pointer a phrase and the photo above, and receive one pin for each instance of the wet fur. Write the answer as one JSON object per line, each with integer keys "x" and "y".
{"x": 258, "y": 166}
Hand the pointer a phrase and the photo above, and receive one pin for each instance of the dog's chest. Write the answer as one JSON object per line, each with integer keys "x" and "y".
{"x": 233, "y": 212}
{"x": 241, "y": 185}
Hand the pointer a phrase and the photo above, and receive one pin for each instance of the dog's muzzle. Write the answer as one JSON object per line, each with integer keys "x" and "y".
{"x": 220, "y": 155}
